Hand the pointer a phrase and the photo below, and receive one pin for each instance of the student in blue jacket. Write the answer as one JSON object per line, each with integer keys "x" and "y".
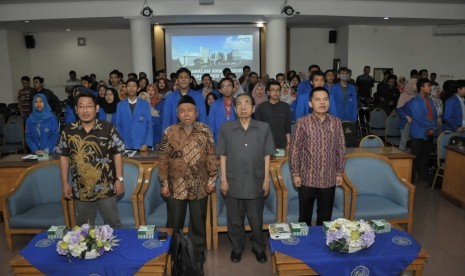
{"x": 183, "y": 77}
{"x": 454, "y": 110}
{"x": 133, "y": 119}
{"x": 345, "y": 98}
{"x": 423, "y": 125}
{"x": 42, "y": 127}
{"x": 222, "y": 110}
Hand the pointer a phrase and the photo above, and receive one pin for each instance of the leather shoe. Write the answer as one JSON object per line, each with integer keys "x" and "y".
{"x": 235, "y": 257}
{"x": 261, "y": 257}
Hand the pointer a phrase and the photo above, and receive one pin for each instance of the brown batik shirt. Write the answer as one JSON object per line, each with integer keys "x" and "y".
{"x": 187, "y": 162}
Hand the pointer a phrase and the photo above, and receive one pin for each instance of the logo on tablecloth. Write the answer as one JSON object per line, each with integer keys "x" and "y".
{"x": 44, "y": 243}
{"x": 360, "y": 271}
{"x": 150, "y": 244}
{"x": 291, "y": 241}
{"x": 403, "y": 241}
{"x": 94, "y": 274}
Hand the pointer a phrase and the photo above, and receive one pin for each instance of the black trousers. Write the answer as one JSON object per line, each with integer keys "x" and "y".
{"x": 422, "y": 150}
{"x": 198, "y": 216}
{"x": 236, "y": 209}
{"x": 324, "y": 200}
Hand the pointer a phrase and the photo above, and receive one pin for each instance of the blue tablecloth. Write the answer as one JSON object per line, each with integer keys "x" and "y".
{"x": 390, "y": 254}
{"x": 125, "y": 259}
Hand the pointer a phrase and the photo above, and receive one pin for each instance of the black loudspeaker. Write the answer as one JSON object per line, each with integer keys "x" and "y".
{"x": 332, "y": 36}
{"x": 30, "y": 41}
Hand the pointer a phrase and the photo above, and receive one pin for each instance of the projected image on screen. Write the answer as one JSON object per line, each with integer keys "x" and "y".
{"x": 210, "y": 50}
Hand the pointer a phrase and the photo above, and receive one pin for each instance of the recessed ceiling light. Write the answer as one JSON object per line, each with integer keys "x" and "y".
{"x": 260, "y": 24}
{"x": 386, "y": 18}
{"x": 26, "y": 21}
{"x": 68, "y": 30}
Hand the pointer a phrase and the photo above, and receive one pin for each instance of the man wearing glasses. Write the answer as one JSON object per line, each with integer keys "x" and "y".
{"x": 277, "y": 114}
{"x": 222, "y": 110}
{"x": 93, "y": 150}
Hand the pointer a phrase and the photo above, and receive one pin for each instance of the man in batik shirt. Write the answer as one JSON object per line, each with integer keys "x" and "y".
{"x": 93, "y": 149}
{"x": 187, "y": 172}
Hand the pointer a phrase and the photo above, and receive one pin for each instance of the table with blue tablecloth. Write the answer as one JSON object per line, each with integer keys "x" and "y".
{"x": 309, "y": 255}
{"x": 133, "y": 256}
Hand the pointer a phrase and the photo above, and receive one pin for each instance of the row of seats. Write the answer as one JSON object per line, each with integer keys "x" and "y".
{"x": 371, "y": 190}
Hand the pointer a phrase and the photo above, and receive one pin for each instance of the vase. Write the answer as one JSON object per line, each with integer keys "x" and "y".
{"x": 91, "y": 255}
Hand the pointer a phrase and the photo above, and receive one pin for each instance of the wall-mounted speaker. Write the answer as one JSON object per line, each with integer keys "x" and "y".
{"x": 30, "y": 41}
{"x": 332, "y": 36}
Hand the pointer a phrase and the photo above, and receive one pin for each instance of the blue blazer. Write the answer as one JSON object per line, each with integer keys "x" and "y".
{"x": 351, "y": 104}
{"x": 217, "y": 117}
{"x": 420, "y": 122}
{"x": 452, "y": 116}
{"x": 403, "y": 111}
{"x": 171, "y": 103}
{"x": 157, "y": 123}
{"x": 135, "y": 129}
{"x": 49, "y": 131}
{"x": 70, "y": 116}
{"x": 102, "y": 116}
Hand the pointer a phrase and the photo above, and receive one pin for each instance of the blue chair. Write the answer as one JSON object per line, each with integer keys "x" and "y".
{"x": 378, "y": 191}
{"x": 377, "y": 121}
{"x": 371, "y": 141}
{"x": 127, "y": 203}
{"x": 13, "y": 137}
{"x": 36, "y": 203}
{"x": 341, "y": 207}
{"x": 153, "y": 209}
{"x": 392, "y": 134}
{"x": 272, "y": 212}
{"x": 443, "y": 140}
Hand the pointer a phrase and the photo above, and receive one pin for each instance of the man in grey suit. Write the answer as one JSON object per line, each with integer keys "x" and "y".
{"x": 245, "y": 146}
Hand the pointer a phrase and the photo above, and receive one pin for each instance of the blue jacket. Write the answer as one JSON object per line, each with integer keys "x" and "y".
{"x": 302, "y": 108}
{"x": 349, "y": 113}
{"x": 217, "y": 117}
{"x": 135, "y": 128}
{"x": 157, "y": 123}
{"x": 70, "y": 116}
{"x": 452, "y": 116}
{"x": 214, "y": 91}
{"x": 420, "y": 123}
{"x": 49, "y": 131}
{"x": 171, "y": 103}
{"x": 403, "y": 111}
{"x": 102, "y": 116}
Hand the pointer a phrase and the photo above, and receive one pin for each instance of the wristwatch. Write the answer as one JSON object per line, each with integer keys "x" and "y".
{"x": 120, "y": 178}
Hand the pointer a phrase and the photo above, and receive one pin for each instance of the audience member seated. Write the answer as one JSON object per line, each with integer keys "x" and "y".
{"x": 42, "y": 128}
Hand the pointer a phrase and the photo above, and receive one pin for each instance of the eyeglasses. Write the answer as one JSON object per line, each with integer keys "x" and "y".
{"x": 86, "y": 107}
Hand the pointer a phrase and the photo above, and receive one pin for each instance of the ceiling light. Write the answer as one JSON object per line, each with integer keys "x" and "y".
{"x": 386, "y": 18}
{"x": 26, "y": 21}
{"x": 68, "y": 30}
{"x": 259, "y": 24}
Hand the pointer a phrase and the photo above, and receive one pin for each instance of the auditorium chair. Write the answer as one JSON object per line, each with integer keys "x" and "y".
{"x": 127, "y": 203}
{"x": 36, "y": 202}
{"x": 342, "y": 198}
{"x": 379, "y": 193}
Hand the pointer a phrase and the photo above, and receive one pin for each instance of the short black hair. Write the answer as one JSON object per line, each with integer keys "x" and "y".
{"x": 206, "y": 75}
{"x": 173, "y": 75}
{"x": 231, "y": 75}
{"x": 72, "y": 72}
{"x": 183, "y": 70}
{"x": 459, "y": 84}
{"x": 41, "y": 80}
{"x": 328, "y": 71}
{"x": 317, "y": 73}
{"x": 272, "y": 82}
{"x": 25, "y": 78}
{"x": 225, "y": 70}
{"x": 253, "y": 73}
{"x": 343, "y": 69}
{"x": 318, "y": 89}
{"x": 314, "y": 66}
{"x": 86, "y": 78}
{"x": 392, "y": 77}
{"x": 132, "y": 80}
{"x": 280, "y": 74}
{"x": 225, "y": 79}
{"x": 132, "y": 75}
{"x": 244, "y": 95}
{"x": 421, "y": 83}
{"x": 366, "y": 67}
{"x": 114, "y": 72}
{"x": 86, "y": 95}
{"x": 422, "y": 71}
{"x": 413, "y": 72}
{"x": 245, "y": 67}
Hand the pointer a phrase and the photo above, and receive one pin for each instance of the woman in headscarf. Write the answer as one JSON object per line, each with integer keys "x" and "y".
{"x": 286, "y": 94}
{"x": 108, "y": 107}
{"x": 42, "y": 127}
{"x": 156, "y": 108}
{"x": 237, "y": 89}
{"x": 258, "y": 93}
{"x": 123, "y": 92}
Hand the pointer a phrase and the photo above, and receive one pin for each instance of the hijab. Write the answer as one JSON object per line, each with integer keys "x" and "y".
{"x": 110, "y": 108}
{"x": 259, "y": 100}
{"x": 156, "y": 98}
{"x": 240, "y": 90}
{"x": 144, "y": 94}
{"x": 286, "y": 98}
{"x": 38, "y": 117}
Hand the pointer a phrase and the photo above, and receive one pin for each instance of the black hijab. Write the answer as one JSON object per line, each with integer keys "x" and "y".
{"x": 107, "y": 107}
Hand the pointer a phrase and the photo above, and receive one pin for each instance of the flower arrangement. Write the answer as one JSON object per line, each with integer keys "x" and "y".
{"x": 87, "y": 242}
{"x": 348, "y": 236}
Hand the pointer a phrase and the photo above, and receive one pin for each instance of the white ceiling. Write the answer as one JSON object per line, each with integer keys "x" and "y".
{"x": 329, "y": 20}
